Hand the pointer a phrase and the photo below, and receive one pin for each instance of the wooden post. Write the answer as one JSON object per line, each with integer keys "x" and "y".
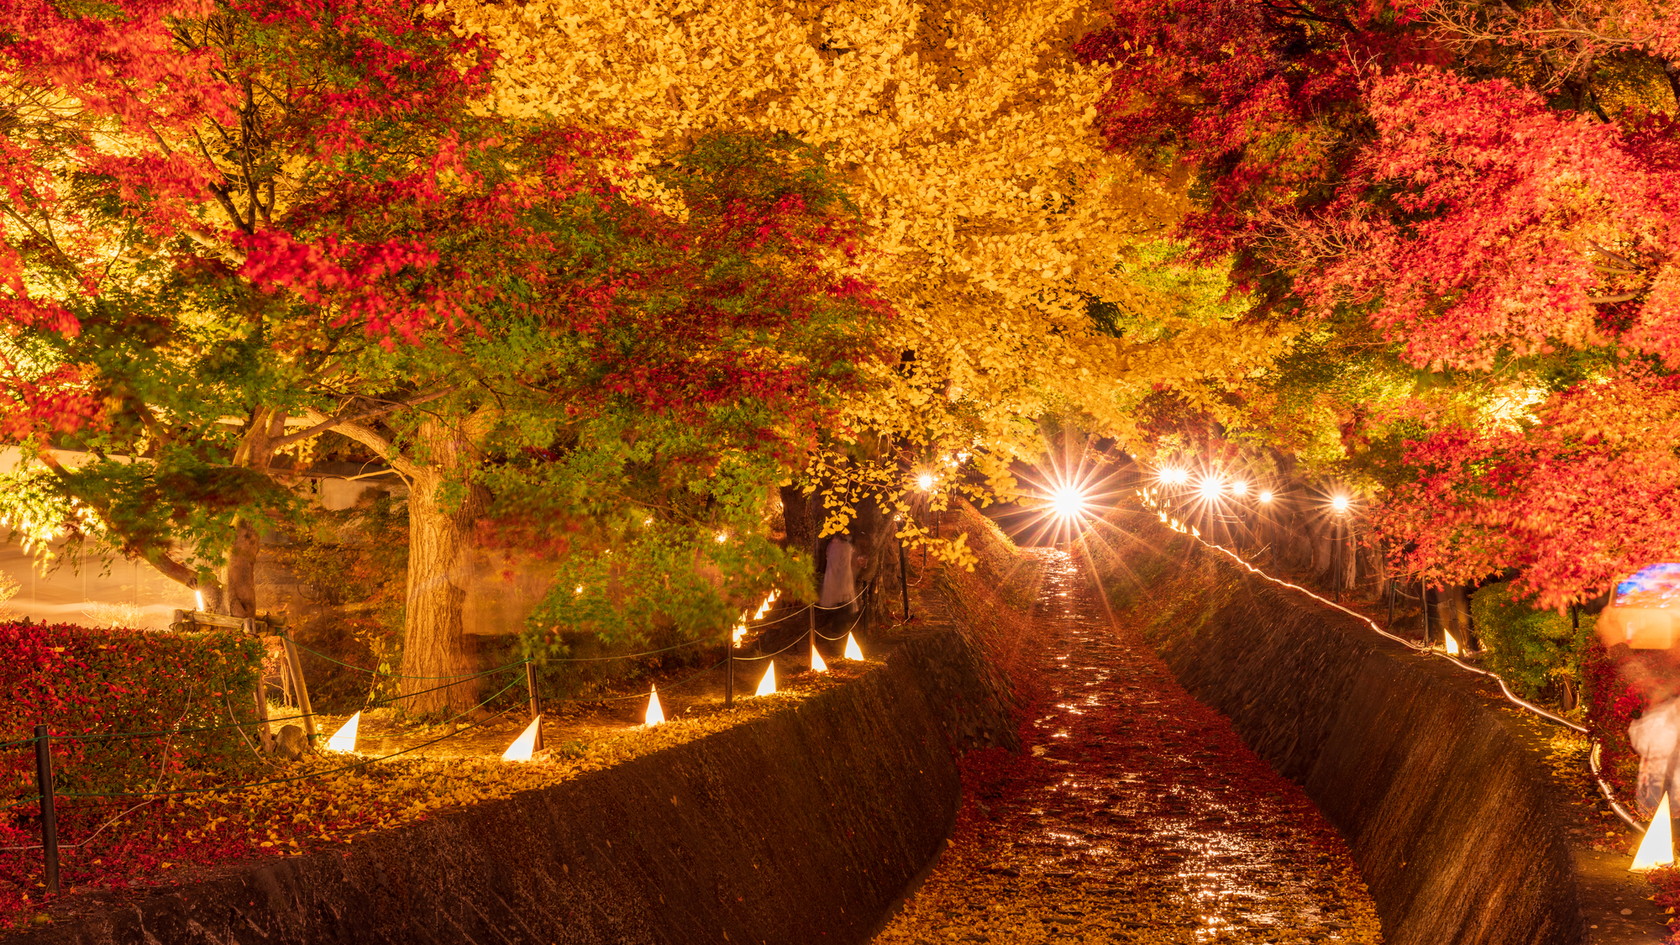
{"x": 49, "y": 817}
{"x": 904, "y": 578}
{"x": 295, "y": 665}
{"x": 1423, "y": 598}
{"x": 536, "y": 703}
{"x": 729, "y": 669}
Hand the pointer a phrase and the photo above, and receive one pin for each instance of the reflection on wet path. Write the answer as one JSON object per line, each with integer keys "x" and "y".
{"x": 1137, "y": 817}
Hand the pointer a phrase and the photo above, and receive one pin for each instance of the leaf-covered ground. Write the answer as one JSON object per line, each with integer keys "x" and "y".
{"x": 1136, "y": 816}
{"x": 329, "y": 799}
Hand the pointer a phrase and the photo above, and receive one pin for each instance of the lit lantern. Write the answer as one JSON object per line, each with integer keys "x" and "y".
{"x": 1657, "y": 849}
{"x": 853, "y": 651}
{"x": 767, "y": 685}
{"x": 1452, "y": 644}
{"x": 817, "y": 664}
{"x": 525, "y": 744}
{"x": 345, "y": 738}
{"x": 198, "y": 599}
{"x": 655, "y": 712}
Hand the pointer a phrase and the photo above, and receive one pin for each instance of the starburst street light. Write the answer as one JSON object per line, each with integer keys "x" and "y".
{"x": 1266, "y": 496}
{"x": 924, "y": 482}
{"x": 1341, "y": 503}
{"x": 1067, "y": 501}
{"x": 1210, "y": 488}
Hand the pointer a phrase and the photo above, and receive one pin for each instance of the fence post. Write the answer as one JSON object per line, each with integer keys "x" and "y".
{"x": 536, "y": 703}
{"x": 295, "y": 664}
{"x": 49, "y": 817}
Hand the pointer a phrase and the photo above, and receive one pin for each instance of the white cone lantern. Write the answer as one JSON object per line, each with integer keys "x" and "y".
{"x": 655, "y": 711}
{"x": 853, "y": 651}
{"x": 1657, "y": 849}
{"x": 526, "y": 744}
{"x": 345, "y": 738}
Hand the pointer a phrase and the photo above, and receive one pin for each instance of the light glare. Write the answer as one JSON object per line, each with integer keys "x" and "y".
{"x": 1067, "y": 502}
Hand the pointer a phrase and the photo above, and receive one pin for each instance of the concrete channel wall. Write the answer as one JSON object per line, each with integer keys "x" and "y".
{"x": 804, "y": 827}
{"x": 1441, "y": 788}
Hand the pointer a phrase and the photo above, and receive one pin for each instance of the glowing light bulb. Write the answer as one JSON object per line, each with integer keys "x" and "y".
{"x": 1067, "y": 502}
{"x": 1210, "y": 488}
{"x": 767, "y": 685}
{"x": 1173, "y": 476}
{"x": 655, "y": 711}
{"x": 721, "y": 537}
{"x": 1657, "y": 848}
{"x": 1341, "y": 503}
{"x": 345, "y": 738}
{"x": 526, "y": 744}
{"x": 1266, "y": 496}
{"x": 853, "y": 651}
{"x": 924, "y": 482}
{"x": 1239, "y": 487}
{"x": 817, "y": 664}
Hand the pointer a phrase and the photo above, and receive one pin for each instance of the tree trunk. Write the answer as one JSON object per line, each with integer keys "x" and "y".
{"x": 439, "y": 568}
{"x": 238, "y": 597}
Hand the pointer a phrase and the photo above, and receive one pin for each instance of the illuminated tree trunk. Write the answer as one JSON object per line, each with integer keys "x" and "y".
{"x": 441, "y": 514}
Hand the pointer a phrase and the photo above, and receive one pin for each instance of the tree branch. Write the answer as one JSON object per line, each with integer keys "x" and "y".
{"x": 369, "y": 438}
{"x": 330, "y": 423}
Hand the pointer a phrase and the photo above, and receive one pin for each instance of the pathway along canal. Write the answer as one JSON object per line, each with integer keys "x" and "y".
{"x": 1134, "y": 816}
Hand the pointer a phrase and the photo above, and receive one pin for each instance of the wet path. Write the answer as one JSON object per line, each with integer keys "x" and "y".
{"x": 1138, "y": 816}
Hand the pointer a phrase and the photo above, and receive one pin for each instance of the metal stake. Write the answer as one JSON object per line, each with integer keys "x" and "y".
{"x": 49, "y": 818}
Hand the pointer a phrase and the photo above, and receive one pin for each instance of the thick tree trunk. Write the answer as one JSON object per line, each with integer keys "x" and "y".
{"x": 441, "y": 521}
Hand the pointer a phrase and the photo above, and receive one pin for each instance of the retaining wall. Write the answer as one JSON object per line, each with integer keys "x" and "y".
{"x": 803, "y": 827}
{"x": 1457, "y": 821}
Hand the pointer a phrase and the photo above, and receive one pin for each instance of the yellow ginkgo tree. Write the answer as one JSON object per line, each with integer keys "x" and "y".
{"x": 994, "y": 216}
